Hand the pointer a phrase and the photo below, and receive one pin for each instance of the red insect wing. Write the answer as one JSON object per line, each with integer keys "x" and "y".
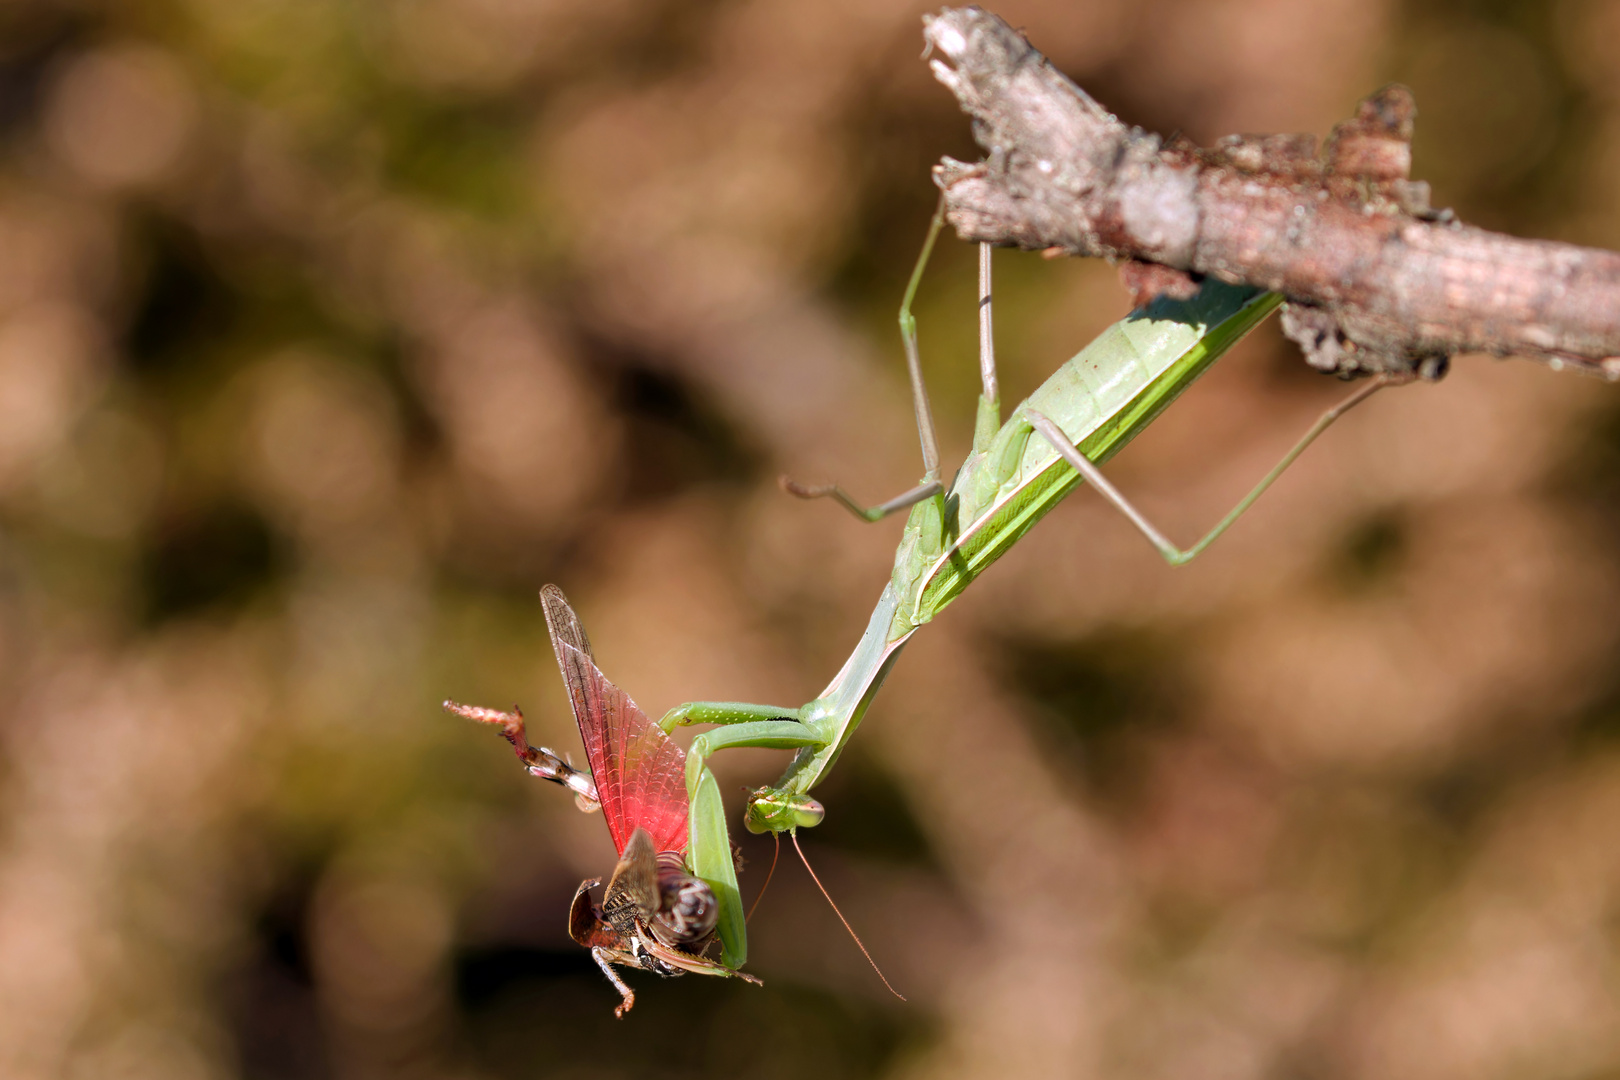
{"x": 640, "y": 772}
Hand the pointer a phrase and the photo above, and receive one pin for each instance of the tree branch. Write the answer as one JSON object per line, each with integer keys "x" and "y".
{"x": 1376, "y": 279}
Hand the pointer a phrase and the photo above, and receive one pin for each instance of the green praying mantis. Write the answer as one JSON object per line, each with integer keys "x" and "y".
{"x": 1017, "y": 471}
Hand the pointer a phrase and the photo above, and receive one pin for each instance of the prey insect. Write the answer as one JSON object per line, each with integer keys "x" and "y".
{"x": 655, "y": 913}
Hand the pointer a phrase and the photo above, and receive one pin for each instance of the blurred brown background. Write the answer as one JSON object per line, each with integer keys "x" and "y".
{"x": 330, "y": 331}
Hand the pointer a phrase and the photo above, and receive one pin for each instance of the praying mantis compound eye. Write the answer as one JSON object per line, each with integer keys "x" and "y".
{"x": 775, "y": 811}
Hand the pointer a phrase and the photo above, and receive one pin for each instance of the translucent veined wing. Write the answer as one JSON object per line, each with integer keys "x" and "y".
{"x": 563, "y": 625}
{"x": 640, "y": 772}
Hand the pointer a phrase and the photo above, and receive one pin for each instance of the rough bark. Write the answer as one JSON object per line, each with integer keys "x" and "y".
{"x": 1376, "y": 279}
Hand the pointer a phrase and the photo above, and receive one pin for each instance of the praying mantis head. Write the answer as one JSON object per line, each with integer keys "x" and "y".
{"x": 772, "y": 811}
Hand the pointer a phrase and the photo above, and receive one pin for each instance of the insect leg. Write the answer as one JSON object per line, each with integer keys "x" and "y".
{"x": 723, "y": 712}
{"x": 708, "y": 853}
{"x": 627, "y": 995}
{"x": 988, "y": 421}
{"x": 908, "y": 337}
{"x": 843, "y": 498}
{"x": 931, "y": 484}
{"x": 1173, "y": 555}
{"x": 541, "y": 762}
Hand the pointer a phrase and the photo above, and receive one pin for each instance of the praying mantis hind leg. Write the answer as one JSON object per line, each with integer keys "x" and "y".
{"x": 989, "y": 403}
{"x": 1177, "y": 556}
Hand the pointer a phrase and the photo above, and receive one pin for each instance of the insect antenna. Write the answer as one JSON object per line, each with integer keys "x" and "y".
{"x": 775, "y": 854}
{"x": 841, "y": 918}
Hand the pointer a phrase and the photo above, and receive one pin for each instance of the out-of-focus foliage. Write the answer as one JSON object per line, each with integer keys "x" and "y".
{"x": 330, "y": 331}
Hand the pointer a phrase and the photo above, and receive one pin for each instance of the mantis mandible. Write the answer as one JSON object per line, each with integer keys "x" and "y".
{"x": 1017, "y": 471}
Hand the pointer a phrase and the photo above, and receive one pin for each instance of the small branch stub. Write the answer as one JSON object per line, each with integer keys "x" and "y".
{"x": 1377, "y": 280}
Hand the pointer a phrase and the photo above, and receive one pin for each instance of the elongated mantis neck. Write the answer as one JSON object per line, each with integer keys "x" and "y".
{"x": 837, "y": 712}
